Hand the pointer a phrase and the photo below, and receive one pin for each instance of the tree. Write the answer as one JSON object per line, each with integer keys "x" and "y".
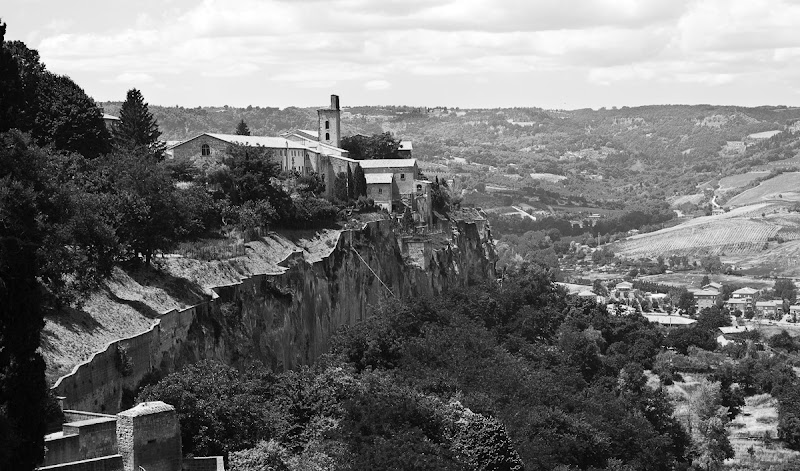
{"x": 360, "y": 181}
{"x": 149, "y": 210}
{"x": 242, "y": 129}
{"x": 705, "y": 281}
{"x": 377, "y": 146}
{"x": 711, "y": 264}
{"x": 22, "y": 383}
{"x": 11, "y": 87}
{"x": 785, "y": 289}
{"x": 137, "y": 130}
{"x": 351, "y": 185}
{"x": 712, "y": 446}
{"x": 408, "y": 220}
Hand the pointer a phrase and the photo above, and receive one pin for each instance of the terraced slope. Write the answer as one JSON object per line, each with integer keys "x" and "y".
{"x": 740, "y": 231}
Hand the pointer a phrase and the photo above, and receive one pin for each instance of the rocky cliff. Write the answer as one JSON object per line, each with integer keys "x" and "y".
{"x": 286, "y": 315}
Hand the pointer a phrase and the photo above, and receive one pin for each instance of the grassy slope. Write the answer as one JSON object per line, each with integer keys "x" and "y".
{"x": 131, "y": 300}
{"x": 786, "y": 185}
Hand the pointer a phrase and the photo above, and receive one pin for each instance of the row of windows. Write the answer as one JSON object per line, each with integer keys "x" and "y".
{"x": 205, "y": 150}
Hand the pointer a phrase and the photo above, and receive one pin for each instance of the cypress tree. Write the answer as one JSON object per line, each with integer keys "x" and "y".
{"x": 351, "y": 186}
{"x": 242, "y": 129}
{"x": 360, "y": 181}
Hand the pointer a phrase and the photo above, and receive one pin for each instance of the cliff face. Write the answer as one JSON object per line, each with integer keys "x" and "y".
{"x": 287, "y": 319}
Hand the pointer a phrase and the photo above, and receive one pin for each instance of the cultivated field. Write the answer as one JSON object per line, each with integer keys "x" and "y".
{"x": 778, "y": 260}
{"x": 784, "y": 187}
{"x": 739, "y": 181}
{"x": 745, "y": 236}
{"x": 691, "y": 199}
{"x": 715, "y": 235}
{"x": 693, "y": 279}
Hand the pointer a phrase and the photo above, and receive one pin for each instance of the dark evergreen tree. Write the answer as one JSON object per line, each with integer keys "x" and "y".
{"x": 351, "y": 186}
{"x": 23, "y": 390}
{"x": 360, "y": 181}
{"x": 137, "y": 129}
{"x": 11, "y": 102}
{"x": 242, "y": 129}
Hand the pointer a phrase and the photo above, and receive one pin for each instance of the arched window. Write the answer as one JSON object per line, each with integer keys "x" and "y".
{"x": 327, "y": 124}
{"x": 205, "y": 149}
{"x": 327, "y": 136}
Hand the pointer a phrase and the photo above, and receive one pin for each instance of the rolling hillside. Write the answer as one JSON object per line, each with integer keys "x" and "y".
{"x": 745, "y": 234}
{"x": 785, "y": 187}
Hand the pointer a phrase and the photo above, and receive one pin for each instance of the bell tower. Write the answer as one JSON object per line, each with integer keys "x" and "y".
{"x": 330, "y": 123}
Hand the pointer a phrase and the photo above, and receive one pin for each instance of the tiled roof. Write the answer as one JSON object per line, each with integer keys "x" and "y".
{"x": 385, "y": 163}
{"x": 745, "y": 290}
{"x": 147, "y": 408}
{"x": 255, "y": 141}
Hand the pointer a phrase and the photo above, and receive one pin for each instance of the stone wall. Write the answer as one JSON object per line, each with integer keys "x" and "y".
{"x": 283, "y": 320}
{"x": 82, "y": 440}
{"x": 105, "y": 463}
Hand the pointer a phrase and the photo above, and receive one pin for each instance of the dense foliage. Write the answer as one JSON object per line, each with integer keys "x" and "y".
{"x": 552, "y": 380}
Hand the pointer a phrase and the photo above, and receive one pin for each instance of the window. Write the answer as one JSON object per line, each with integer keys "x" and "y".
{"x": 205, "y": 149}
{"x": 327, "y": 136}
{"x": 402, "y": 176}
{"x": 292, "y": 161}
{"x": 327, "y": 124}
{"x": 380, "y": 191}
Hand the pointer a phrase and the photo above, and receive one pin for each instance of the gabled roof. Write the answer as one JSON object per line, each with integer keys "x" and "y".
{"x": 735, "y": 329}
{"x": 405, "y": 145}
{"x": 256, "y": 141}
{"x": 378, "y": 178}
{"x": 768, "y": 303}
{"x": 111, "y": 117}
{"x": 746, "y": 290}
{"x": 713, "y": 284}
{"x": 251, "y": 141}
{"x": 386, "y": 163}
{"x": 587, "y": 294}
{"x": 624, "y": 285}
{"x": 706, "y": 292}
{"x": 669, "y": 320}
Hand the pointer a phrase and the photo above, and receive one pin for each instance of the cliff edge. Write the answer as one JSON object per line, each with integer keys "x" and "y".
{"x": 279, "y": 304}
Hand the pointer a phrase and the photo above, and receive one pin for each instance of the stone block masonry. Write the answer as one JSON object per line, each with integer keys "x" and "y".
{"x": 149, "y": 437}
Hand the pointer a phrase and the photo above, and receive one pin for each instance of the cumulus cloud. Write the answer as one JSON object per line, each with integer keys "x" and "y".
{"x": 317, "y": 43}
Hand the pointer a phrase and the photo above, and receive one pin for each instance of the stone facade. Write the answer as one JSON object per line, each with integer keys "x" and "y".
{"x": 330, "y": 124}
{"x": 146, "y": 436}
{"x": 149, "y": 437}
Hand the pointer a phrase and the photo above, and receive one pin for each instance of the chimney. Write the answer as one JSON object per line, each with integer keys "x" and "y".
{"x": 334, "y": 102}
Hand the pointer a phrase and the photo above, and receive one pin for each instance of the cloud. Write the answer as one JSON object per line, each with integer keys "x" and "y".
{"x": 235, "y": 70}
{"x": 318, "y": 43}
{"x": 134, "y": 78}
{"x": 376, "y": 85}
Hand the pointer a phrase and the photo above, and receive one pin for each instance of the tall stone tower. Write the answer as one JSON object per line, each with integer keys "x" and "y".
{"x": 330, "y": 123}
{"x": 149, "y": 437}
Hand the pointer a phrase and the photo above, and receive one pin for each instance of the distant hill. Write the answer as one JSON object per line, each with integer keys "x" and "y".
{"x": 750, "y": 237}
{"x": 784, "y": 187}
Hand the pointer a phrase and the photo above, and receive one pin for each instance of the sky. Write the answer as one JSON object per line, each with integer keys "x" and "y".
{"x": 563, "y": 54}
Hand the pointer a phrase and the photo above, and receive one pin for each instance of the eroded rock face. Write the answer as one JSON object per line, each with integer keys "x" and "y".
{"x": 287, "y": 319}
